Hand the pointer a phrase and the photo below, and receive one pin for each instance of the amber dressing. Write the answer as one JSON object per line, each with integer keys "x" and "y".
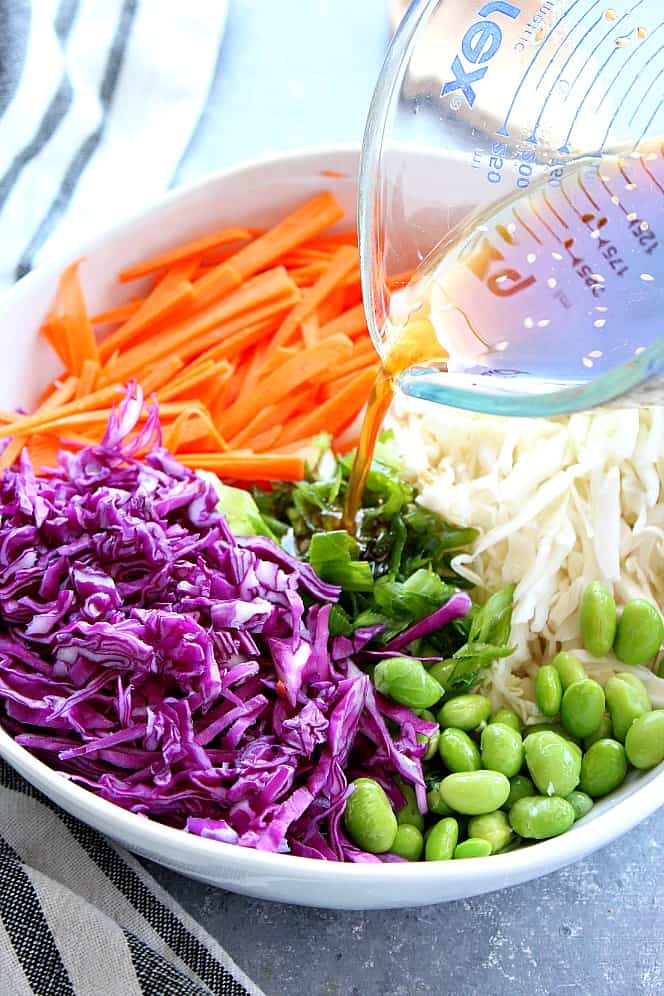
{"x": 417, "y": 343}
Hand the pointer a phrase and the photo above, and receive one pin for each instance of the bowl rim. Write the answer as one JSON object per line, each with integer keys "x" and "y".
{"x": 149, "y": 835}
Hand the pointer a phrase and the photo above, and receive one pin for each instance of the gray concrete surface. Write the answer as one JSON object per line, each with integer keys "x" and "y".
{"x": 301, "y": 72}
{"x": 594, "y": 929}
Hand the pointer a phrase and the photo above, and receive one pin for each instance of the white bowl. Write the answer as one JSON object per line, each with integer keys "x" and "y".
{"x": 257, "y": 194}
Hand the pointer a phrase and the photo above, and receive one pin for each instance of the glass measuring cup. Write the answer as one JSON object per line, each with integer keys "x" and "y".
{"x": 513, "y": 158}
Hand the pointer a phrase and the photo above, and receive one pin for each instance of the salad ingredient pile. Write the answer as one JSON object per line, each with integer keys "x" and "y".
{"x": 559, "y": 503}
{"x": 181, "y": 672}
{"x": 252, "y": 341}
{"x": 463, "y": 672}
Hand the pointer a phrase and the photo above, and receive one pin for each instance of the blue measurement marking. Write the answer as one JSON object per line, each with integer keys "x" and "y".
{"x": 621, "y": 102}
{"x": 612, "y": 29}
{"x": 565, "y": 39}
{"x": 639, "y": 103}
{"x": 567, "y": 61}
{"x": 648, "y": 123}
{"x": 635, "y": 51}
{"x": 503, "y": 128}
{"x": 565, "y": 146}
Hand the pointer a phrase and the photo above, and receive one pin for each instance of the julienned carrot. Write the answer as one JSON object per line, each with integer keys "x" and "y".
{"x": 221, "y": 371}
{"x": 187, "y": 250}
{"x": 24, "y": 424}
{"x": 273, "y": 289}
{"x": 116, "y": 315}
{"x": 307, "y": 221}
{"x": 268, "y": 417}
{"x": 300, "y": 370}
{"x": 334, "y": 414}
{"x": 342, "y": 263}
{"x": 161, "y": 373}
{"x": 351, "y": 323}
{"x": 310, "y": 328}
{"x": 262, "y": 344}
{"x": 248, "y": 466}
{"x": 72, "y": 317}
{"x": 170, "y": 294}
{"x": 88, "y": 378}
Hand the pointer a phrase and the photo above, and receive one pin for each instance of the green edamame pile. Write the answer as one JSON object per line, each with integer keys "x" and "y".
{"x": 493, "y": 784}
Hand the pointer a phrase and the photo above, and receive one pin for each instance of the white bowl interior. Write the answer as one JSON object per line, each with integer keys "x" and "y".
{"x": 256, "y": 195}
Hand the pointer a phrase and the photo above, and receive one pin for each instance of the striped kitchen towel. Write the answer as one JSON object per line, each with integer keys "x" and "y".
{"x": 98, "y": 102}
{"x": 80, "y": 917}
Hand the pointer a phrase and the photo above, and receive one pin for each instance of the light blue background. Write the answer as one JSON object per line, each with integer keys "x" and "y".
{"x": 290, "y": 73}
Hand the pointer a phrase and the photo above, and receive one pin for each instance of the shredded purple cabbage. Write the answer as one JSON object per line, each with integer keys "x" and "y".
{"x": 179, "y": 672}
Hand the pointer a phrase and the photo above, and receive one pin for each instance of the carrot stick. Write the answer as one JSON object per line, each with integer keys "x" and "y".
{"x": 308, "y": 220}
{"x": 54, "y": 332}
{"x": 364, "y": 354}
{"x": 71, "y": 312}
{"x": 343, "y": 261}
{"x": 265, "y": 440}
{"x": 220, "y": 371}
{"x": 350, "y": 323}
{"x": 267, "y": 418}
{"x": 40, "y": 419}
{"x": 310, "y": 328}
{"x": 171, "y": 293}
{"x": 86, "y": 382}
{"x": 161, "y": 373}
{"x": 120, "y": 314}
{"x": 334, "y": 413}
{"x": 274, "y": 288}
{"x": 300, "y": 370}
{"x": 277, "y": 357}
{"x": 185, "y": 251}
{"x": 248, "y": 466}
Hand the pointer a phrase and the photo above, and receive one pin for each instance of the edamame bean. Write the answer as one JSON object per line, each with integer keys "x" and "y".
{"x": 645, "y": 740}
{"x": 550, "y": 728}
{"x": 409, "y": 813}
{"x": 580, "y": 802}
{"x": 457, "y": 751}
{"x": 474, "y": 847}
{"x": 368, "y": 817}
{"x": 582, "y": 707}
{"x": 627, "y": 698}
{"x": 432, "y": 744}
{"x": 441, "y": 840}
{"x": 598, "y": 619}
{"x": 502, "y": 749}
{"x": 465, "y": 712}
{"x": 604, "y": 730}
{"x": 435, "y": 801}
{"x": 569, "y": 668}
{"x": 408, "y": 843}
{"x": 603, "y": 768}
{"x": 493, "y": 827}
{"x": 405, "y": 680}
{"x": 520, "y": 786}
{"x": 442, "y": 671}
{"x": 508, "y": 717}
{"x": 475, "y": 792}
{"x": 554, "y": 764}
{"x": 548, "y": 690}
{"x": 640, "y": 632}
{"x": 538, "y": 817}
